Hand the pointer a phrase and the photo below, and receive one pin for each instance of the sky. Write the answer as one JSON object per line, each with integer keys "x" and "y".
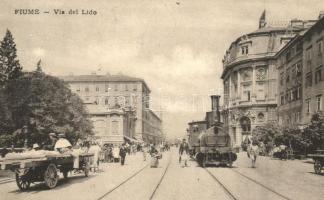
{"x": 176, "y": 46}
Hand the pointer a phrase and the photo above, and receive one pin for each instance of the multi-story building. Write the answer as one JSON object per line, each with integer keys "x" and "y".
{"x": 300, "y": 68}
{"x": 250, "y": 77}
{"x": 152, "y": 132}
{"x": 112, "y": 94}
{"x": 290, "y": 82}
{"x": 313, "y": 71}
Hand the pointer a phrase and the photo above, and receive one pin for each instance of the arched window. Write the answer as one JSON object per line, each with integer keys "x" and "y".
{"x": 260, "y": 116}
{"x": 245, "y": 124}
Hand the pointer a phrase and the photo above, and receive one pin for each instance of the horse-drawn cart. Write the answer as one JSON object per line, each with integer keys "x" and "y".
{"x": 318, "y": 158}
{"x": 45, "y": 169}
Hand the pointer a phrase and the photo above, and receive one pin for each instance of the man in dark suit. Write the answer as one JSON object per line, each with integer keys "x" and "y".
{"x": 183, "y": 147}
{"x": 122, "y": 153}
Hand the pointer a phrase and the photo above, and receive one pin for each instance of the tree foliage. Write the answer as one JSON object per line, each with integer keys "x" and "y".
{"x": 9, "y": 63}
{"x": 314, "y": 133}
{"x": 46, "y": 105}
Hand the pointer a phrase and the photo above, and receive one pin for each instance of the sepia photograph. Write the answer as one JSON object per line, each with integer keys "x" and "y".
{"x": 161, "y": 99}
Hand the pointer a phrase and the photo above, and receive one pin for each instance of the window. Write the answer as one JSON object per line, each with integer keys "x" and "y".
{"x": 299, "y": 47}
{"x": 308, "y": 106}
{"x": 87, "y": 89}
{"x": 78, "y": 89}
{"x": 288, "y": 56}
{"x": 107, "y": 88}
{"x": 247, "y": 95}
{"x": 116, "y": 87}
{"x": 87, "y": 99}
{"x": 126, "y": 87}
{"x": 298, "y": 69}
{"x": 97, "y": 88}
{"x": 287, "y": 76}
{"x": 318, "y": 75}
{"x": 320, "y": 47}
{"x": 245, "y": 50}
{"x": 134, "y": 87}
{"x": 308, "y": 82}
{"x": 282, "y": 99}
{"x": 106, "y": 101}
{"x": 319, "y": 102}
{"x": 114, "y": 127}
{"x": 309, "y": 54}
{"x": 282, "y": 75}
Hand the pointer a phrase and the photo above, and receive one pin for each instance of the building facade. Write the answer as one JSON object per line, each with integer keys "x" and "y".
{"x": 113, "y": 125}
{"x": 300, "y": 68}
{"x": 290, "y": 82}
{"x": 313, "y": 71}
{"x": 113, "y": 94}
{"x": 250, "y": 77}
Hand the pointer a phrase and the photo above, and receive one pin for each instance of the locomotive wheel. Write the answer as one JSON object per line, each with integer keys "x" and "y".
{"x": 22, "y": 182}
{"x": 65, "y": 174}
{"x": 50, "y": 176}
{"x": 317, "y": 167}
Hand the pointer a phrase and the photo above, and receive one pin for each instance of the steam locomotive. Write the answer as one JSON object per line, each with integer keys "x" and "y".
{"x": 209, "y": 143}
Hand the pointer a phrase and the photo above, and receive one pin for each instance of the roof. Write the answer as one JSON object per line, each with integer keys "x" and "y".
{"x": 99, "y": 78}
{"x": 102, "y": 78}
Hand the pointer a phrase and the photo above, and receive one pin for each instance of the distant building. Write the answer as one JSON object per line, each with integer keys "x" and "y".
{"x": 250, "y": 77}
{"x": 116, "y": 97}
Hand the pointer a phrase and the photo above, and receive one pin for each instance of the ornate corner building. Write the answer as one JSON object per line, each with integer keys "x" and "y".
{"x": 250, "y": 77}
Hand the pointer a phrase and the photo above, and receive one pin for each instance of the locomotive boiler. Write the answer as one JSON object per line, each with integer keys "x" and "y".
{"x": 213, "y": 145}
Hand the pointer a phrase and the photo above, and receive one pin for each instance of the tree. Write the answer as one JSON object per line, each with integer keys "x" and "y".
{"x": 314, "y": 133}
{"x": 9, "y": 64}
{"x": 45, "y": 104}
{"x": 267, "y": 132}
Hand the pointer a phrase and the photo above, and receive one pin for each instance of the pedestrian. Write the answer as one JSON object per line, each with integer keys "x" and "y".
{"x": 95, "y": 149}
{"x": 254, "y": 152}
{"x": 122, "y": 153}
{"x": 155, "y": 156}
{"x": 185, "y": 158}
{"x": 144, "y": 150}
{"x": 183, "y": 147}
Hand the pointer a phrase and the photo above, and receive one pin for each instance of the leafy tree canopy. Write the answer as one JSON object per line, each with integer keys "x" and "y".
{"x": 45, "y": 104}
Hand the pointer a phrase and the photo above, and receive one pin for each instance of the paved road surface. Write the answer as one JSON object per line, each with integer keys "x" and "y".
{"x": 272, "y": 179}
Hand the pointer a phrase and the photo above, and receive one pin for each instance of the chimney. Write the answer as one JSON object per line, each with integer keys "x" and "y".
{"x": 215, "y": 107}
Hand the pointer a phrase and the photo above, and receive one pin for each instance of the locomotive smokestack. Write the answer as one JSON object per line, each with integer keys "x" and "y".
{"x": 215, "y": 106}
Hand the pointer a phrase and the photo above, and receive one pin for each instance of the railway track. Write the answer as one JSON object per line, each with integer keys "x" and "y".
{"x": 227, "y": 191}
{"x": 6, "y": 180}
{"x": 232, "y": 196}
{"x": 106, "y": 195}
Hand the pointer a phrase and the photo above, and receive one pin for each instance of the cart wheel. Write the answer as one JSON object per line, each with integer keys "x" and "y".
{"x": 50, "y": 176}
{"x": 22, "y": 182}
{"x": 317, "y": 167}
{"x": 87, "y": 169}
{"x": 65, "y": 174}
{"x": 230, "y": 164}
